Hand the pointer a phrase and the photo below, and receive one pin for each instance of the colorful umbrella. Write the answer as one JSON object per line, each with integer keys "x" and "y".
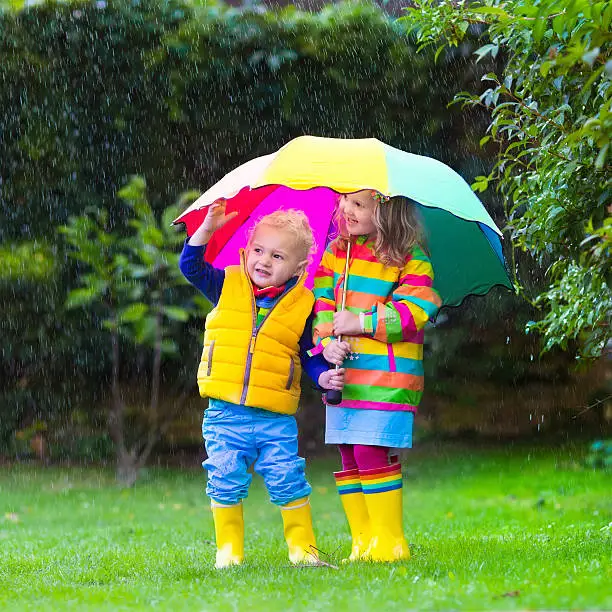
{"x": 309, "y": 172}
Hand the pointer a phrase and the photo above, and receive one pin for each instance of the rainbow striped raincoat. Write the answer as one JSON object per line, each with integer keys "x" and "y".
{"x": 385, "y": 368}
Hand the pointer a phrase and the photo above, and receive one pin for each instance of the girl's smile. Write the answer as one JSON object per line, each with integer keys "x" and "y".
{"x": 358, "y": 210}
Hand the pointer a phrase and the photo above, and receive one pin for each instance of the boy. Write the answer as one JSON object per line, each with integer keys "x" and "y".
{"x": 256, "y": 339}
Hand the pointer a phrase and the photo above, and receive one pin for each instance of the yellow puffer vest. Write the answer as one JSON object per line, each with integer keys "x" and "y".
{"x": 243, "y": 364}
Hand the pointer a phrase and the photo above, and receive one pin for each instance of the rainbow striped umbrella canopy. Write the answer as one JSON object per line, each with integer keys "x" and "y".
{"x": 309, "y": 172}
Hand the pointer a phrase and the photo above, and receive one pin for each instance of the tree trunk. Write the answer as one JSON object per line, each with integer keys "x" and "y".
{"x": 116, "y": 416}
{"x": 130, "y": 462}
{"x": 127, "y": 469}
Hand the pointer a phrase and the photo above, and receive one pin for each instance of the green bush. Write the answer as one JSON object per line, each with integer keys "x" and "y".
{"x": 599, "y": 455}
{"x": 551, "y": 126}
{"x": 93, "y": 92}
{"x": 182, "y": 95}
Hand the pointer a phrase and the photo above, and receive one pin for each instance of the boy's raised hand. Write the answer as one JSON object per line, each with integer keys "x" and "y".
{"x": 335, "y": 352}
{"x": 215, "y": 219}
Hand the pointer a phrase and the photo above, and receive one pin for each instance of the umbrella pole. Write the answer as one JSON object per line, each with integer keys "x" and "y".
{"x": 334, "y": 397}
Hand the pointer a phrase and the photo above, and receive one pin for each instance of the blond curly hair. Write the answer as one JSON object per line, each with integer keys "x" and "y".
{"x": 296, "y": 223}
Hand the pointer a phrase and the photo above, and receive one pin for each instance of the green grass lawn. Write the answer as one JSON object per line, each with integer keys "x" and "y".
{"x": 514, "y": 529}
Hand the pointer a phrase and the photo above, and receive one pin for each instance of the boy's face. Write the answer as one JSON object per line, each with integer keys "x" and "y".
{"x": 271, "y": 258}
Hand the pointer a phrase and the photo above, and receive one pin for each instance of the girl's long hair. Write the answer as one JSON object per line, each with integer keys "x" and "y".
{"x": 399, "y": 230}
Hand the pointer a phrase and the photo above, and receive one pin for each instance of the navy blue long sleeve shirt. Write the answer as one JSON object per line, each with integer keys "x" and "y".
{"x": 209, "y": 280}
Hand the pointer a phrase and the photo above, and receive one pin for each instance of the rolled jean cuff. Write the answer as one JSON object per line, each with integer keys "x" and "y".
{"x": 223, "y": 503}
{"x": 282, "y": 499}
{"x": 226, "y": 498}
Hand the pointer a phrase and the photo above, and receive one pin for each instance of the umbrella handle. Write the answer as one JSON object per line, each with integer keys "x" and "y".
{"x": 334, "y": 397}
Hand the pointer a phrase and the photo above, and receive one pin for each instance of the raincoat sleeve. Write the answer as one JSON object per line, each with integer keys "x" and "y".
{"x": 325, "y": 302}
{"x": 200, "y": 273}
{"x": 413, "y": 302}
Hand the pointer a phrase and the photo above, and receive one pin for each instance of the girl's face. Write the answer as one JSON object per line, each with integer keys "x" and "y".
{"x": 358, "y": 209}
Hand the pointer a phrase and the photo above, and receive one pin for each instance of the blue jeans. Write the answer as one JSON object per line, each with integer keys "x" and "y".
{"x": 237, "y": 437}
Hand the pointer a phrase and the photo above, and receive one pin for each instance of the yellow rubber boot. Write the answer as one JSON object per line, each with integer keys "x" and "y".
{"x": 229, "y": 534}
{"x": 297, "y": 521}
{"x": 353, "y": 502}
{"x": 382, "y": 490}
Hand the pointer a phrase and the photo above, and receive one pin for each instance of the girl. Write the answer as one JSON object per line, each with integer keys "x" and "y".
{"x": 389, "y": 299}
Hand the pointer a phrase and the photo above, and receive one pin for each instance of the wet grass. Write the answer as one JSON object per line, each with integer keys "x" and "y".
{"x": 514, "y": 529}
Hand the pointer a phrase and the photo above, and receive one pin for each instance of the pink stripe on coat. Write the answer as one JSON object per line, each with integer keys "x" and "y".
{"x": 406, "y": 318}
{"x": 416, "y": 280}
{"x": 377, "y": 405}
{"x": 320, "y": 306}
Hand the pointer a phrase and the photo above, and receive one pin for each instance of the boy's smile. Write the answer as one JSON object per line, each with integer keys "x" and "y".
{"x": 271, "y": 259}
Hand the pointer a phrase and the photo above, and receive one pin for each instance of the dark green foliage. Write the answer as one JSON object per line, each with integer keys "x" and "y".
{"x": 76, "y": 106}
{"x": 93, "y": 92}
{"x": 600, "y": 455}
{"x": 91, "y": 95}
{"x": 131, "y": 277}
{"x": 551, "y": 124}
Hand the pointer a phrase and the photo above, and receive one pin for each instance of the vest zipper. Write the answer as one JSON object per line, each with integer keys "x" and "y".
{"x": 247, "y": 368}
{"x": 256, "y": 328}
